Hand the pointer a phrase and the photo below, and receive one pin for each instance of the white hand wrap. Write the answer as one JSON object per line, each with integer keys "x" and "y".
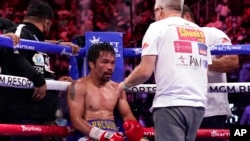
{"x": 96, "y": 133}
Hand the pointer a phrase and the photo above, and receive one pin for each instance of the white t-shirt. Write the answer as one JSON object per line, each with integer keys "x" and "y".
{"x": 181, "y": 66}
{"x": 217, "y": 103}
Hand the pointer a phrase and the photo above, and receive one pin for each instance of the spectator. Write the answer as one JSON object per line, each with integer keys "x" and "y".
{"x": 223, "y": 10}
{"x": 5, "y": 24}
{"x": 60, "y": 120}
{"x": 244, "y": 74}
{"x": 245, "y": 118}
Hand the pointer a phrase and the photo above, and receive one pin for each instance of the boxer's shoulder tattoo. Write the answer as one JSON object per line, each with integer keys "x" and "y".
{"x": 72, "y": 91}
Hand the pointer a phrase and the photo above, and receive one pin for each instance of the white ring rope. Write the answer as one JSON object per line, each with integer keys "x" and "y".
{"x": 22, "y": 82}
{"x": 212, "y": 88}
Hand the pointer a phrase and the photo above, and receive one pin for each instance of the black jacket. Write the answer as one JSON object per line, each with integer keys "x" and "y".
{"x": 17, "y": 103}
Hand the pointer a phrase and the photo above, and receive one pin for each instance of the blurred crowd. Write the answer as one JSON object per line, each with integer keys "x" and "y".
{"x": 75, "y": 17}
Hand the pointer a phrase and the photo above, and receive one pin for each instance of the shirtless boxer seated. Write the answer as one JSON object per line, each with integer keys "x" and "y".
{"x": 92, "y": 100}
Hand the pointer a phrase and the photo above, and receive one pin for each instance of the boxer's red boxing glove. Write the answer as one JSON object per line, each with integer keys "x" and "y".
{"x": 101, "y": 135}
{"x": 133, "y": 130}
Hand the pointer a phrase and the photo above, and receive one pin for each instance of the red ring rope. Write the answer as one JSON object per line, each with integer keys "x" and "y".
{"x": 30, "y": 130}
{"x": 202, "y": 133}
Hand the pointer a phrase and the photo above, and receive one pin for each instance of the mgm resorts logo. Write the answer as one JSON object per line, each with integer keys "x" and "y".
{"x": 229, "y": 89}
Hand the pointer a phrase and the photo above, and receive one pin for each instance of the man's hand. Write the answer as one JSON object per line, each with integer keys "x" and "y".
{"x": 75, "y": 48}
{"x": 39, "y": 92}
{"x": 65, "y": 78}
{"x": 121, "y": 87}
{"x": 15, "y": 38}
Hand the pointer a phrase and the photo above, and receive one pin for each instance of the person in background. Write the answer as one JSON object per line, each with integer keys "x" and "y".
{"x": 245, "y": 118}
{"x": 30, "y": 106}
{"x": 217, "y": 109}
{"x": 4, "y": 25}
{"x": 60, "y": 120}
{"x": 223, "y": 10}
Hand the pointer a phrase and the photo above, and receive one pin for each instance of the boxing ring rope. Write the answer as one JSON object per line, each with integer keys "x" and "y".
{"x": 21, "y": 82}
{"x": 34, "y": 130}
{"x": 127, "y": 52}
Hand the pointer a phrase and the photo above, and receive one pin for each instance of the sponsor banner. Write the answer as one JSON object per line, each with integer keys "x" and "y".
{"x": 25, "y": 83}
{"x": 14, "y": 81}
{"x": 212, "y": 88}
{"x": 229, "y": 48}
{"x": 35, "y": 130}
{"x": 22, "y": 82}
{"x": 202, "y": 133}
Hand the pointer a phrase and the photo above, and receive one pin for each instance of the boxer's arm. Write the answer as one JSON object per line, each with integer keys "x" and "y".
{"x": 76, "y": 102}
{"x": 224, "y": 63}
{"x": 124, "y": 108}
{"x": 133, "y": 130}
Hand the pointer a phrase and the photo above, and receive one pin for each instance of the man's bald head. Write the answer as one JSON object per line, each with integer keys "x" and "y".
{"x": 166, "y": 8}
{"x": 169, "y": 4}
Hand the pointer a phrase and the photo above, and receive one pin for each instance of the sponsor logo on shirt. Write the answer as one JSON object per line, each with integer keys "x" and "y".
{"x": 190, "y": 34}
{"x": 202, "y": 49}
{"x": 182, "y": 59}
{"x": 197, "y": 62}
{"x": 145, "y": 45}
{"x": 191, "y": 62}
{"x": 39, "y": 69}
{"x": 225, "y": 40}
{"x": 38, "y": 59}
{"x": 182, "y": 62}
{"x": 182, "y": 47}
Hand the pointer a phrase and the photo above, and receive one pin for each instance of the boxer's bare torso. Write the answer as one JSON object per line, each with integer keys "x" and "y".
{"x": 99, "y": 101}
